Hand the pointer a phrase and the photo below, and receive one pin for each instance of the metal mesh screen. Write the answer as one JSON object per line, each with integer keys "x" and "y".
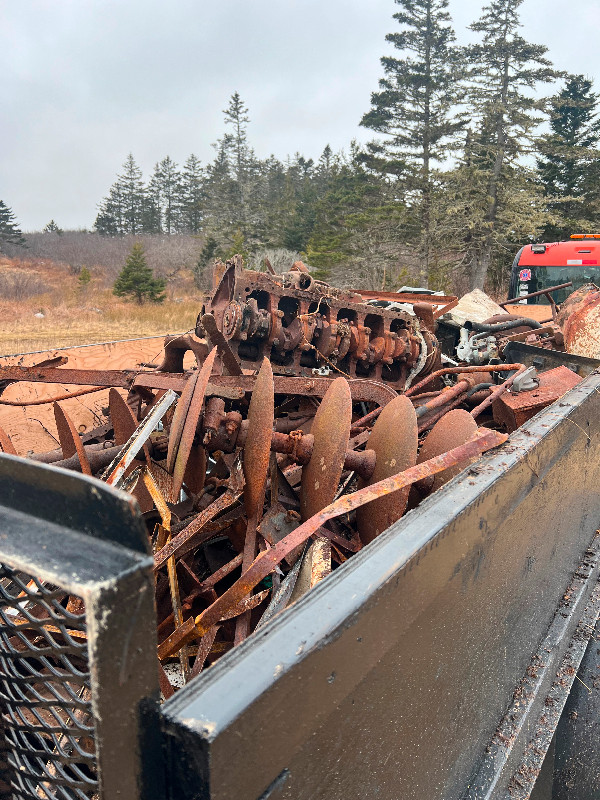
{"x": 45, "y": 697}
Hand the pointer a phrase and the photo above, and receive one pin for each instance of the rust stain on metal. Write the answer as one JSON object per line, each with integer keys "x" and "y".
{"x": 331, "y": 431}
{"x": 394, "y": 440}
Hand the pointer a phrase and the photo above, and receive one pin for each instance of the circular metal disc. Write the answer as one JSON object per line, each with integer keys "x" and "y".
{"x": 257, "y": 449}
{"x": 70, "y": 441}
{"x": 191, "y": 422}
{"x": 331, "y": 429}
{"x": 178, "y": 421}
{"x": 394, "y": 439}
{"x": 453, "y": 429}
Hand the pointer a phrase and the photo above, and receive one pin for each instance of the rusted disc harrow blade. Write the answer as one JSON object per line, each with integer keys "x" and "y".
{"x": 6, "y": 445}
{"x": 257, "y": 449}
{"x": 394, "y": 440}
{"x": 195, "y": 470}
{"x": 121, "y": 417}
{"x": 70, "y": 441}
{"x": 188, "y": 432}
{"x": 453, "y": 429}
{"x": 331, "y": 429}
{"x": 178, "y": 421}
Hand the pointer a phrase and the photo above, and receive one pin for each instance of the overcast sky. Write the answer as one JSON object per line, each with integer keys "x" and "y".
{"x": 85, "y": 82}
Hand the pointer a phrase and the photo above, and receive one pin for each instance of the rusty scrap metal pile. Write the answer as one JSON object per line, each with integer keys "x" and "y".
{"x": 311, "y": 421}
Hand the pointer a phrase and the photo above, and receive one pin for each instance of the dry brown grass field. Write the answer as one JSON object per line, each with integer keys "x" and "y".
{"x": 74, "y": 315}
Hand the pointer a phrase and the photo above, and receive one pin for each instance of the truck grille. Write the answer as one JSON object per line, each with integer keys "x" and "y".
{"x": 45, "y": 699}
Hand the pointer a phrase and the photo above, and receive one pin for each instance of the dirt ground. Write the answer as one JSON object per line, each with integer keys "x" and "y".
{"x": 32, "y": 428}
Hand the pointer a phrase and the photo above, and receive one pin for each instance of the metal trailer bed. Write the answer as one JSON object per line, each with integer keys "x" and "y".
{"x": 455, "y": 657}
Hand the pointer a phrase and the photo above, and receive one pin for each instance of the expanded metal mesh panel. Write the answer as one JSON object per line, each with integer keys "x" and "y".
{"x": 45, "y": 698}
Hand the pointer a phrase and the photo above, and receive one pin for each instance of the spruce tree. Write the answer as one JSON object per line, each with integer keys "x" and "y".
{"x": 167, "y": 181}
{"x": 504, "y": 69}
{"x": 84, "y": 278}
{"x": 568, "y": 164}
{"x": 136, "y": 279}
{"x": 52, "y": 227}
{"x": 192, "y": 196}
{"x": 236, "y": 115}
{"x": 10, "y": 233}
{"x": 123, "y": 210}
{"x": 416, "y": 104}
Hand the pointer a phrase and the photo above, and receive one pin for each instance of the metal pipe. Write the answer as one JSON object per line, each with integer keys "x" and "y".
{"x": 455, "y": 370}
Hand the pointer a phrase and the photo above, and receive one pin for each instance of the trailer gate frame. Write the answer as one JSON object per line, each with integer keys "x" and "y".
{"x": 62, "y": 532}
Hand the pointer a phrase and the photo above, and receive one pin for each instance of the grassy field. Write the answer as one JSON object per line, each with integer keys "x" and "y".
{"x": 72, "y": 315}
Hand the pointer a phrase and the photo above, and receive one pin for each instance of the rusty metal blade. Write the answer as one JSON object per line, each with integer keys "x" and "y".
{"x": 453, "y": 429}
{"x": 6, "y": 444}
{"x": 331, "y": 429}
{"x": 257, "y": 449}
{"x": 267, "y": 561}
{"x": 70, "y": 440}
{"x": 121, "y": 417}
{"x": 394, "y": 439}
{"x": 178, "y": 420}
{"x": 195, "y": 470}
{"x": 191, "y": 423}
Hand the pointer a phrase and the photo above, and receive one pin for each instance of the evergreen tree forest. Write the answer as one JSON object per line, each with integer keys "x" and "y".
{"x": 476, "y": 151}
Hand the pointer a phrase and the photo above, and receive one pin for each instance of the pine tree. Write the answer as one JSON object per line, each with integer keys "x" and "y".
{"x": 461, "y": 227}
{"x": 136, "y": 279}
{"x": 359, "y": 227}
{"x": 84, "y": 278}
{"x": 10, "y": 233}
{"x": 192, "y": 196}
{"x": 208, "y": 252}
{"x": 123, "y": 210}
{"x": 569, "y": 158}
{"x": 236, "y": 115}
{"x": 52, "y": 227}
{"x": 245, "y": 190}
{"x": 415, "y": 106}
{"x": 504, "y": 68}
{"x": 168, "y": 181}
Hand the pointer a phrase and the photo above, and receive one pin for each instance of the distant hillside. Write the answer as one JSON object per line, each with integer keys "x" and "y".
{"x": 43, "y": 305}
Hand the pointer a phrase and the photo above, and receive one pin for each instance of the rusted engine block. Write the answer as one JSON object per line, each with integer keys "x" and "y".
{"x": 306, "y": 327}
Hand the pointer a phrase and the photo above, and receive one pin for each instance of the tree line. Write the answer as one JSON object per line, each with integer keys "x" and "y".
{"x": 477, "y": 150}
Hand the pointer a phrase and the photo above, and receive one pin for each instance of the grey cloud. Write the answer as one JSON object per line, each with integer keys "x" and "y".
{"x": 87, "y": 81}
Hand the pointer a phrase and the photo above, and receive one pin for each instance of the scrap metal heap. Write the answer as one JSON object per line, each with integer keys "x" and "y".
{"x": 311, "y": 421}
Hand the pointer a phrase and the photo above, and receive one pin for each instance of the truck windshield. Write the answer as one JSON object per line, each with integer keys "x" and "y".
{"x": 544, "y": 277}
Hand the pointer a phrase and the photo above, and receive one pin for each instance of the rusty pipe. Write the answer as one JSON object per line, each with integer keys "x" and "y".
{"x": 457, "y": 370}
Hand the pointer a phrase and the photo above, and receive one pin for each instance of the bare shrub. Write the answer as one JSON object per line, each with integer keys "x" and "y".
{"x": 16, "y": 284}
{"x": 166, "y": 255}
{"x": 280, "y": 259}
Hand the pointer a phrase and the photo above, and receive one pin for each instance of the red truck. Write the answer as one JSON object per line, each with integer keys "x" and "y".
{"x": 539, "y": 266}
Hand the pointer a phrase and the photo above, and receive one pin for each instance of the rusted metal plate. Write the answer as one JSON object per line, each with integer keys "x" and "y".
{"x": 178, "y": 421}
{"x": 512, "y": 410}
{"x": 70, "y": 440}
{"x": 452, "y": 430}
{"x": 6, "y": 444}
{"x": 331, "y": 429}
{"x": 190, "y": 423}
{"x": 121, "y": 417}
{"x": 257, "y": 449}
{"x": 394, "y": 439}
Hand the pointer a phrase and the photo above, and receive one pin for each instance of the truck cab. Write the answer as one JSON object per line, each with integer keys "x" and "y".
{"x": 540, "y": 266}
